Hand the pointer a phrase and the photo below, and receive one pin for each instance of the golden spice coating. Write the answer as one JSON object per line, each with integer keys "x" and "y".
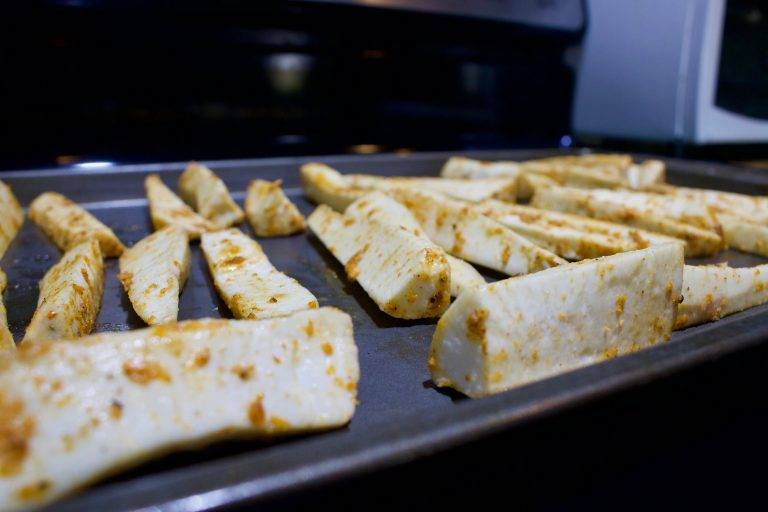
{"x": 472, "y": 190}
{"x": 6, "y": 338}
{"x": 68, "y": 225}
{"x": 70, "y": 295}
{"x": 11, "y": 217}
{"x": 209, "y": 196}
{"x": 325, "y": 185}
{"x": 167, "y": 209}
{"x": 269, "y": 210}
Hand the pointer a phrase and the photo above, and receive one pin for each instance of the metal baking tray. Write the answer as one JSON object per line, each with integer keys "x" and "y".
{"x": 401, "y": 415}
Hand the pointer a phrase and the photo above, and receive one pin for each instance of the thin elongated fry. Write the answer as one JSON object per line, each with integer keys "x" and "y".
{"x": 699, "y": 241}
{"x": 167, "y": 209}
{"x": 711, "y": 292}
{"x": 153, "y": 272}
{"x": 744, "y": 235}
{"x": 405, "y": 274}
{"x": 325, "y": 185}
{"x": 472, "y": 190}
{"x": 270, "y": 212}
{"x": 74, "y": 412}
{"x": 247, "y": 281}
{"x": 209, "y": 196}
{"x": 464, "y": 232}
{"x": 6, "y": 338}
{"x": 68, "y": 225}
{"x": 11, "y": 217}
{"x": 523, "y": 329}
{"x": 70, "y": 295}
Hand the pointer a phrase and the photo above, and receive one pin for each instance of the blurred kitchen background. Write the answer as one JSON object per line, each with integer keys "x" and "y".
{"x": 88, "y": 82}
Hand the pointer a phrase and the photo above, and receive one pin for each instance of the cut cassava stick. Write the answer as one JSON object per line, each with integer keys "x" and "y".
{"x": 68, "y": 225}
{"x": 523, "y": 329}
{"x": 645, "y": 175}
{"x": 11, "y": 217}
{"x": 153, "y": 272}
{"x": 245, "y": 279}
{"x": 167, "y": 209}
{"x": 699, "y": 241}
{"x": 464, "y": 232}
{"x": 711, "y": 292}
{"x": 76, "y": 411}
{"x": 752, "y": 208}
{"x": 6, "y": 338}
{"x": 70, "y": 295}
{"x": 382, "y": 208}
{"x": 209, "y": 196}
{"x": 325, "y": 185}
{"x": 472, "y": 190}
{"x": 461, "y": 167}
{"x": 270, "y": 212}
{"x": 744, "y": 235}
{"x": 405, "y": 274}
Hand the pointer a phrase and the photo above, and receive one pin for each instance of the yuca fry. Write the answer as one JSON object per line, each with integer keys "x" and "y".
{"x": 209, "y": 196}
{"x": 325, "y": 185}
{"x": 472, "y": 190}
{"x": 751, "y": 208}
{"x": 571, "y": 236}
{"x": 167, "y": 209}
{"x": 645, "y": 175}
{"x": 523, "y": 329}
{"x": 699, "y": 241}
{"x": 153, "y": 273}
{"x": 246, "y": 280}
{"x": 467, "y": 168}
{"x": 68, "y": 224}
{"x": 406, "y": 275}
{"x": 464, "y": 232}
{"x": 270, "y": 212}
{"x": 711, "y": 292}
{"x": 613, "y": 160}
{"x": 382, "y": 208}
{"x": 744, "y": 235}
{"x": 6, "y": 338}
{"x": 11, "y": 217}
{"x": 70, "y": 295}
{"x": 528, "y": 182}
{"x": 77, "y": 411}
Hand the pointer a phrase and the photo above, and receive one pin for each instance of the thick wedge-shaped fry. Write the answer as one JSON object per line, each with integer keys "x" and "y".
{"x": 522, "y": 329}
{"x": 167, "y": 209}
{"x": 200, "y": 187}
{"x": 245, "y": 279}
{"x": 699, "y": 241}
{"x": 382, "y": 208}
{"x": 752, "y": 208}
{"x": 405, "y": 274}
{"x": 68, "y": 225}
{"x": 711, "y": 292}
{"x": 11, "y": 217}
{"x": 74, "y": 412}
{"x": 70, "y": 295}
{"x": 743, "y": 234}
{"x": 528, "y": 182}
{"x": 270, "y": 212}
{"x": 472, "y": 190}
{"x": 6, "y": 338}
{"x": 615, "y": 161}
{"x": 571, "y": 236}
{"x": 464, "y": 232}
{"x": 645, "y": 175}
{"x": 153, "y": 272}
{"x": 461, "y": 167}
{"x": 325, "y": 185}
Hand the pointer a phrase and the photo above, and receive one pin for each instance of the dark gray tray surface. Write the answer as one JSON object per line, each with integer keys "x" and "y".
{"x": 401, "y": 415}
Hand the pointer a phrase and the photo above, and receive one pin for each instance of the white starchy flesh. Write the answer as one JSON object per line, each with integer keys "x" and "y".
{"x": 645, "y": 175}
{"x": 472, "y": 190}
{"x": 711, "y": 292}
{"x": 325, "y": 185}
{"x": 699, "y": 241}
{"x": 614, "y": 161}
{"x": 209, "y": 196}
{"x": 167, "y": 209}
{"x": 74, "y": 412}
{"x": 11, "y": 217}
{"x": 405, "y": 274}
{"x": 70, "y": 295}
{"x": 528, "y": 182}
{"x": 744, "y": 235}
{"x": 752, "y": 208}
{"x": 247, "y": 282}
{"x": 523, "y": 329}
{"x": 461, "y": 167}
{"x": 68, "y": 225}
{"x": 464, "y": 232}
{"x": 6, "y": 338}
{"x": 571, "y": 236}
{"x": 153, "y": 273}
{"x": 382, "y": 208}
{"x": 574, "y": 175}
{"x": 269, "y": 210}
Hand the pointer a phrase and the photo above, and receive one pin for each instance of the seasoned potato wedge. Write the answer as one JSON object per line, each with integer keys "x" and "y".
{"x": 167, "y": 209}
{"x": 711, "y": 292}
{"x": 325, "y": 185}
{"x": 75, "y": 411}
{"x": 153, "y": 272}
{"x": 405, "y": 274}
{"x": 70, "y": 295}
{"x": 270, "y": 212}
{"x": 68, "y": 225}
{"x": 464, "y": 232}
{"x": 209, "y": 196}
{"x": 11, "y": 217}
{"x": 6, "y": 338}
{"x": 245, "y": 279}
{"x": 472, "y": 190}
{"x": 523, "y": 329}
